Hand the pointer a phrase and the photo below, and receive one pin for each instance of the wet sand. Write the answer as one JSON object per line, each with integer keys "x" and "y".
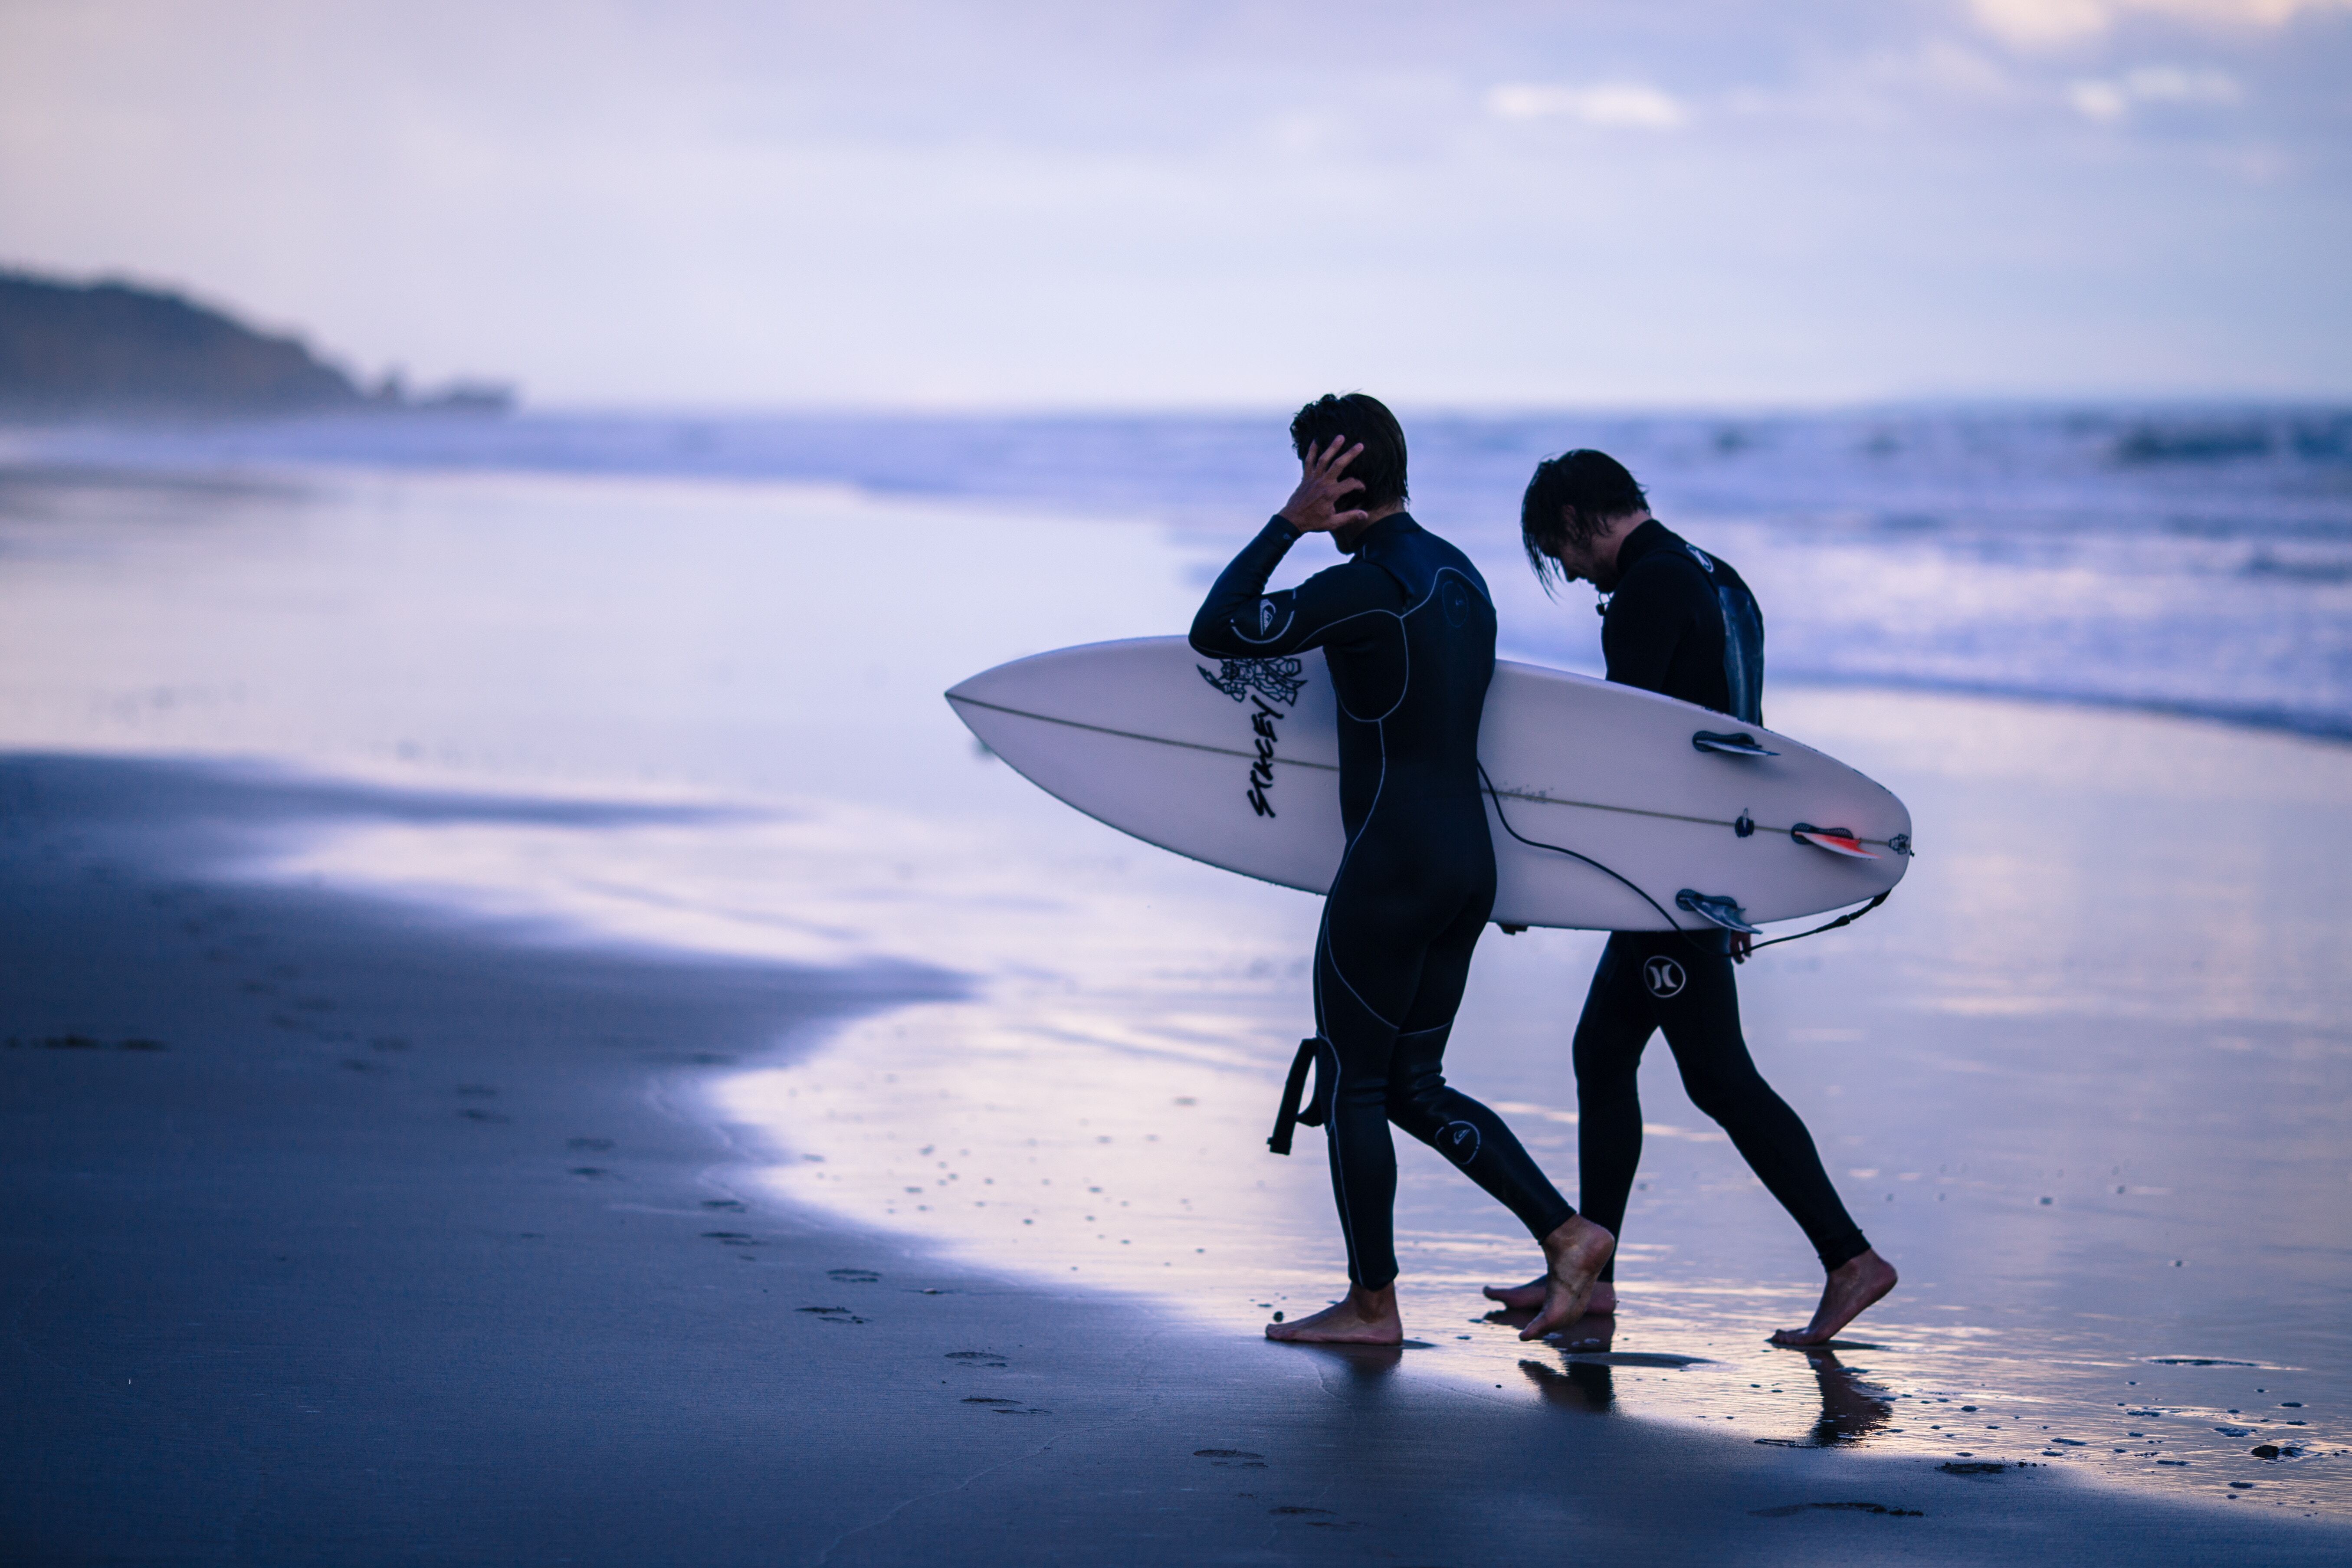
{"x": 622, "y": 811}
{"x": 339, "y": 1231}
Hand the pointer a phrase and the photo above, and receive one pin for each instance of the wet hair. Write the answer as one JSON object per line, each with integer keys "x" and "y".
{"x": 1357, "y": 417}
{"x": 1571, "y": 498}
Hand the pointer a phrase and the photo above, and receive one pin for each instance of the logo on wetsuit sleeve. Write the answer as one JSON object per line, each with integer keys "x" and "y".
{"x": 1455, "y": 599}
{"x": 1242, "y": 680}
{"x": 1265, "y": 617}
{"x": 1458, "y": 1141}
{"x": 1664, "y": 976}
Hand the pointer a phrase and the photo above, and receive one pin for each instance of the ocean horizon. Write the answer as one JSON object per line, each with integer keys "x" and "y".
{"x": 2193, "y": 559}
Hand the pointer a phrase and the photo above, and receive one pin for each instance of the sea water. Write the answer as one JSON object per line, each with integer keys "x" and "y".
{"x": 2083, "y": 1078}
{"x": 2190, "y": 560}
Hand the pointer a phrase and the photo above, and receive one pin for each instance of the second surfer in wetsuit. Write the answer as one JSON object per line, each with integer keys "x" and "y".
{"x": 1679, "y": 621}
{"x": 1407, "y": 630}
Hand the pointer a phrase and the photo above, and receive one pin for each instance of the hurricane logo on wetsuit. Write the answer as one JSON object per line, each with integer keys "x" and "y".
{"x": 1278, "y": 678}
{"x": 1664, "y": 976}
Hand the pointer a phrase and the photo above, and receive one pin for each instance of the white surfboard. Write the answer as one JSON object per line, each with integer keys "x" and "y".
{"x": 1236, "y": 762}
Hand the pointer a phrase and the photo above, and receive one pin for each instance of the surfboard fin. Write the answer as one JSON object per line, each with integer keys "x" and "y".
{"x": 1742, "y": 744}
{"x": 1836, "y": 840}
{"x": 1717, "y": 908}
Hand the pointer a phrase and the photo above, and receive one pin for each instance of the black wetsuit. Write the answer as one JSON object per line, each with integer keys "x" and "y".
{"x": 1682, "y": 623}
{"x": 1407, "y": 629}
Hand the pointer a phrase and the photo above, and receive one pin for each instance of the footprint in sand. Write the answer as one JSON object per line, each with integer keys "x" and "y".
{"x": 833, "y": 1314}
{"x": 1232, "y": 1458}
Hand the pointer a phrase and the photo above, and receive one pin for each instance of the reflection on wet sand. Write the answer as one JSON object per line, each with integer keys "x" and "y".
{"x": 2085, "y": 1080}
{"x": 1582, "y": 1385}
{"x": 1584, "y": 1380}
{"x": 1360, "y": 1366}
{"x": 1851, "y": 1408}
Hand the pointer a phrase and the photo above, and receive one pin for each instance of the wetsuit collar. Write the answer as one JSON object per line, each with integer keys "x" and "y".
{"x": 1652, "y": 535}
{"x": 1396, "y": 525}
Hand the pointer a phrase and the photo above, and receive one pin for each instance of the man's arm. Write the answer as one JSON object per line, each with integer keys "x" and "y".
{"x": 1241, "y": 620}
{"x": 1648, "y": 617}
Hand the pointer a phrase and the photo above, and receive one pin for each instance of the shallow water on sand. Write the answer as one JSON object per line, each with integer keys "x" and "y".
{"x": 2082, "y": 1079}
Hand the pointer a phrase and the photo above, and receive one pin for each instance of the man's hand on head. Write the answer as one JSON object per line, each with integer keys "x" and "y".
{"x": 1315, "y": 507}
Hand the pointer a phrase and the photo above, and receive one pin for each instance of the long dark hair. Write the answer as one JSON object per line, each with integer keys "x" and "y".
{"x": 1571, "y": 498}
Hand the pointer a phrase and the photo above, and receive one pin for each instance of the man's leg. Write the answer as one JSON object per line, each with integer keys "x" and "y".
{"x": 1356, "y": 1014}
{"x": 1701, "y": 1020}
{"x": 1478, "y": 1141}
{"x": 1467, "y": 1132}
{"x": 1615, "y": 1027}
{"x": 1368, "y": 963}
{"x": 1611, "y": 1036}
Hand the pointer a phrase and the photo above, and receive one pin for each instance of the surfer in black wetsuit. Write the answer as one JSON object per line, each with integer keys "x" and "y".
{"x": 1678, "y": 621}
{"x": 1407, "y": 629}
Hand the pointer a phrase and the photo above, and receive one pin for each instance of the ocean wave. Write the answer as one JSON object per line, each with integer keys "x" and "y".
{"x": 2175, "y": 560}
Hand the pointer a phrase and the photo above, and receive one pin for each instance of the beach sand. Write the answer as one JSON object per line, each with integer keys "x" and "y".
{"x": 446, "y": 914}
{"x": 339, "y": 1233}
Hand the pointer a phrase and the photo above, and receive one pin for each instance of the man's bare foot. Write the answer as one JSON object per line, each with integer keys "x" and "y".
{"x": 1601, "y": 1303}
{"x": 1852, "y": 1286}
{"x": 1361, "y": 1318}
{"x": 1575, "y": 1254}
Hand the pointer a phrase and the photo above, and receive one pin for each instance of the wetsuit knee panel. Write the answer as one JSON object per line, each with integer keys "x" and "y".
{"x": 1414, "y": 1098}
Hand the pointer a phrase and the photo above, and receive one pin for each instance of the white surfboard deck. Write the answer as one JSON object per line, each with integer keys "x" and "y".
{"x": 1236, "y": 762}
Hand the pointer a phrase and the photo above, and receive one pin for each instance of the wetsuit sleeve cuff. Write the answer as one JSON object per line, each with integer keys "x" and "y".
{"x": 1283, "y": 529}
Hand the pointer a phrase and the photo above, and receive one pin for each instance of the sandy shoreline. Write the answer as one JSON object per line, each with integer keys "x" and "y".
{"x": 401, "y": 1247}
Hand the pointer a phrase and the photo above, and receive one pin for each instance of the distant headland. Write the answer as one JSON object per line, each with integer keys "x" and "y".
{"x": 112, "y": 350}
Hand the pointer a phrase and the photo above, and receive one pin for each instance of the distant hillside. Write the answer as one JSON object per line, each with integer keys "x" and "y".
{"x": 69, "y": 350}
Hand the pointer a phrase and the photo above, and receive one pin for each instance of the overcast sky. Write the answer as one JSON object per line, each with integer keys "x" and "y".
{"x": 719, "y": 202}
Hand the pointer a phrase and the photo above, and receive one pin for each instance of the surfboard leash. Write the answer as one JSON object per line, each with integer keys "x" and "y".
{"x": 1496, "y": 795}
{"x": 1846, "y": 918}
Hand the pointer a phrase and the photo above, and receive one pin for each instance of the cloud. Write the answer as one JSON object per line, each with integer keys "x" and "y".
{"x": 1630, "y": 104}
{"x": 2110, "y": 98}
{"x": 2040, "y": 23}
